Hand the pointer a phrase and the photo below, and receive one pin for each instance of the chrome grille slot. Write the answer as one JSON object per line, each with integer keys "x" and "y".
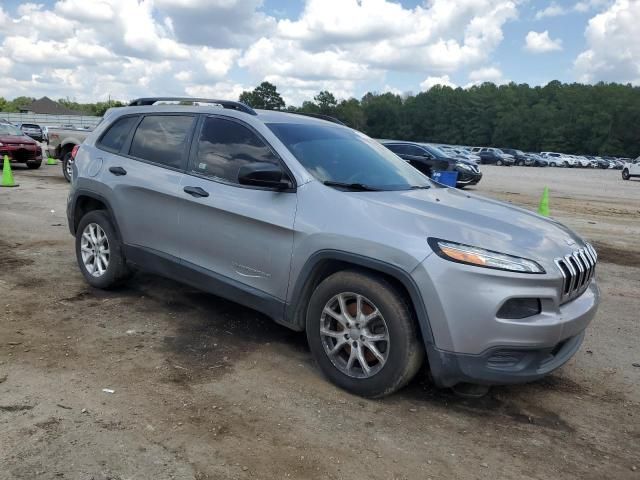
{"x": 578, "y": 269}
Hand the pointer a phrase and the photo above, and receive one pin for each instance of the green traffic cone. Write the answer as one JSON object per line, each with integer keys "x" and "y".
{"x": 51, "y": 161}
{"x": 543, "y": 209}
{"x": 7, "y": 176}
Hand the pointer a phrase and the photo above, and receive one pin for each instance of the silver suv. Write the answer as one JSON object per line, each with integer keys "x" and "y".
{"x": 326, "y": 231}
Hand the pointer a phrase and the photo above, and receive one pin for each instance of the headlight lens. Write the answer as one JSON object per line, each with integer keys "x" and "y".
{"x": 479, "y": 257}
{"x": 464, "y": 166}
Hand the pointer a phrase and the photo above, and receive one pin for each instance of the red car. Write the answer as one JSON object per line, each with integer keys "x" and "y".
{"x": 18, "y": 147}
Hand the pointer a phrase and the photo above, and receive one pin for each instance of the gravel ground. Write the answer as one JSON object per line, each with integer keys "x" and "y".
{"x": 207, "y": 389}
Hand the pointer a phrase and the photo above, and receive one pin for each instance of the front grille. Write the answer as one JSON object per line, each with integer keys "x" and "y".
{"x": 577, "y": 270}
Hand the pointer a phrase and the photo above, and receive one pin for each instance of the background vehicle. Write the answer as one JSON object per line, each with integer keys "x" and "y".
{"x": 32, "y": 130}
{"x": 456, "y": 152}
{"x": 61, "y": 143}
{"x": 518, "y": 155}
{"x": 428, "y": 158}
{"x": 558, "y": 159}
{"x": 631, "y": 169}
{"x": 327, "y": 231}
{"x": 535, "y": 160}
{"x": 19, "y": 147}
{"x": 493, "y": 155}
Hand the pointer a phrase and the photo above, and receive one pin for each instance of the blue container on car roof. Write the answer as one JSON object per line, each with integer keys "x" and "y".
{"x": 445, "y": 177}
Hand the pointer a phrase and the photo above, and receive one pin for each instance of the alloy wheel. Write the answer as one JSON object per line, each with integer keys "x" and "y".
{"x": 94, "y": 248}
{"x": 354, "y": 335}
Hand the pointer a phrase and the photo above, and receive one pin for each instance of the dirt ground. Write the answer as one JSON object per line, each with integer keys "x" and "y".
{"x": 207, "y": 389}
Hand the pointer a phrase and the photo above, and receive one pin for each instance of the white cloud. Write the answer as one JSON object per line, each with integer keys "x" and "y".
{"x": 553, "y": 10}
{"x": 430, "y": 82}
{"x": 613, "y": 45}
{"x": 541, "y": 42}
{"x": 86, "y": 49}
{"x": 486, "y": 74}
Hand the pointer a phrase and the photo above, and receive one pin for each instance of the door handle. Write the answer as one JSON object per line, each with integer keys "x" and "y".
{"x": 118, "y": 171}
{"x": 196, "y": 192}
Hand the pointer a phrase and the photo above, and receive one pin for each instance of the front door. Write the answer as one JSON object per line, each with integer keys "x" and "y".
{"x": 244, "y": 234}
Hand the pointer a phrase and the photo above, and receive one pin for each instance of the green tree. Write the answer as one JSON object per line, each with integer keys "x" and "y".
{"x": 326, "y": 102}
{"x": 264, "y": 96}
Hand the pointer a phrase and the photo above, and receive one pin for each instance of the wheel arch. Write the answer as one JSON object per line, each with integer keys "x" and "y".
{"x": 327, "y": 262}
{"x": 85, "y": 201}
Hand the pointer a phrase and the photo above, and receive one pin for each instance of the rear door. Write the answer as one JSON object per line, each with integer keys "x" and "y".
{"x": 144, "y": 172}
{"x": 243, "y": 234}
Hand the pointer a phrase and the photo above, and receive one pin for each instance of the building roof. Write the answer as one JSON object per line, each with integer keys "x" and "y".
{"x": 48, "y": 106}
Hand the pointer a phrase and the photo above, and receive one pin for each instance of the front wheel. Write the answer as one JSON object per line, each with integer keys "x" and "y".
{"x": 67, "y": 166}
{"x": 99, "y": 252}
{"x": 362, "y": 334}
{"x": 625, "y": 174}
{"x": 499, "y": 163}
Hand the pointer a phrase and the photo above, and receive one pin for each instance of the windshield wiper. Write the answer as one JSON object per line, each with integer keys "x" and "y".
{"x": 420, "y": 187}
{"x": 359, "y": 187}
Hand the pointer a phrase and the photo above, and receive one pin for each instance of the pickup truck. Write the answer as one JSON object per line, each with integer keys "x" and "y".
{"x": 61, "y": 143}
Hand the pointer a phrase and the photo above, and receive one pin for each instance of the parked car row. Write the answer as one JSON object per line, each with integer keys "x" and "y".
{"x": 511, "y": 156}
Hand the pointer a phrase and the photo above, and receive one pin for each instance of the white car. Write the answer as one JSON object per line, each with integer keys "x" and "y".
{"x": 631, "y": 169}
{"x": 559, "y": 159}
{"x": 581, "y": 161}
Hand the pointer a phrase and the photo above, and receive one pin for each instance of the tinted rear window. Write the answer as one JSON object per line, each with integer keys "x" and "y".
{"x": 162, "y": 139}
{"x": 117, "y": 133}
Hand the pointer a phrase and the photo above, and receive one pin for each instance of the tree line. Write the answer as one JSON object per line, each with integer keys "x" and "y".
{"x": 600, "y": 119}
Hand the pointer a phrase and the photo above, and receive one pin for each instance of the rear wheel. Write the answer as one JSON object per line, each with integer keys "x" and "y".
{"x": 67, "y": 166}
{"x": 625, "y": 174}
{"x": 520, "y": 163}
{"x": 552, "y": 164}
{"x": 499, "y": 163}
{"x": 99, "y": 252}
{"x": 33, "y": 165}
{"x": 362, "y": 334}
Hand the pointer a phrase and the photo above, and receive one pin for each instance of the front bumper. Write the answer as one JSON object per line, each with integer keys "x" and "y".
{"x": 21, "y": 154}
{"x": 470, "y": 343}
{"x": 466, "y": 177}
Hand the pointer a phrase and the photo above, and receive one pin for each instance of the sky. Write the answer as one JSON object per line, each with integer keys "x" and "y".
{"x": 93, "y": 50}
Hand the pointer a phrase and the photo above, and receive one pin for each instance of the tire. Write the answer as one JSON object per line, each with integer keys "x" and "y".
{"x": 625, "y": 174}
{"x": 33, "y": 165}
{"x": 499, "y": 163}
{"x": 552, "y": 164}
{"x": 67, "y": 163}
{"x": 402, "y": 350}
{"x": 116, "y": 270}
{"x": 520, "y": 163}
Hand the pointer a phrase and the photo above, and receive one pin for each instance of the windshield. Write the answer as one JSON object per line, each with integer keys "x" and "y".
{"x": 337, "y": 154}
{"x": 6, "y": 129}
{"x": 435, "y": 151}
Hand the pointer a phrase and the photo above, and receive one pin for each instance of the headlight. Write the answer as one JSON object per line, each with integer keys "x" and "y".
{"x": 479, "y": 257}
{"x": 463, "y": 166}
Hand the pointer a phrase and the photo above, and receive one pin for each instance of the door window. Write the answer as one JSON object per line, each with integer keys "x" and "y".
{"x": 162, "y": 139}
{"x": 224, "y": 146}
{"x": 115, "y": 136}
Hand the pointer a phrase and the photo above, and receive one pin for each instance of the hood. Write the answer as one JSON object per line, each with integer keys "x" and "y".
{"x": 452, "y": 215}
{"x": 17, "y": 139}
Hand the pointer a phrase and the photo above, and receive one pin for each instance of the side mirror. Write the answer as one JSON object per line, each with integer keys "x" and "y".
{"x": 262, "y": 174}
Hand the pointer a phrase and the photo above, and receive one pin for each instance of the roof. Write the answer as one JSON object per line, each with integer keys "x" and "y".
{"x": 47, "y": 106}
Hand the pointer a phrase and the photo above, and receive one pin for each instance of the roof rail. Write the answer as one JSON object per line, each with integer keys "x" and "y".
{"x": 230, "y": 104}
{"x": 328, "y": 118}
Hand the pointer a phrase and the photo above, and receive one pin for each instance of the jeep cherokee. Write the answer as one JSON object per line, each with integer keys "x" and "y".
{"x": 326, "y": 231}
